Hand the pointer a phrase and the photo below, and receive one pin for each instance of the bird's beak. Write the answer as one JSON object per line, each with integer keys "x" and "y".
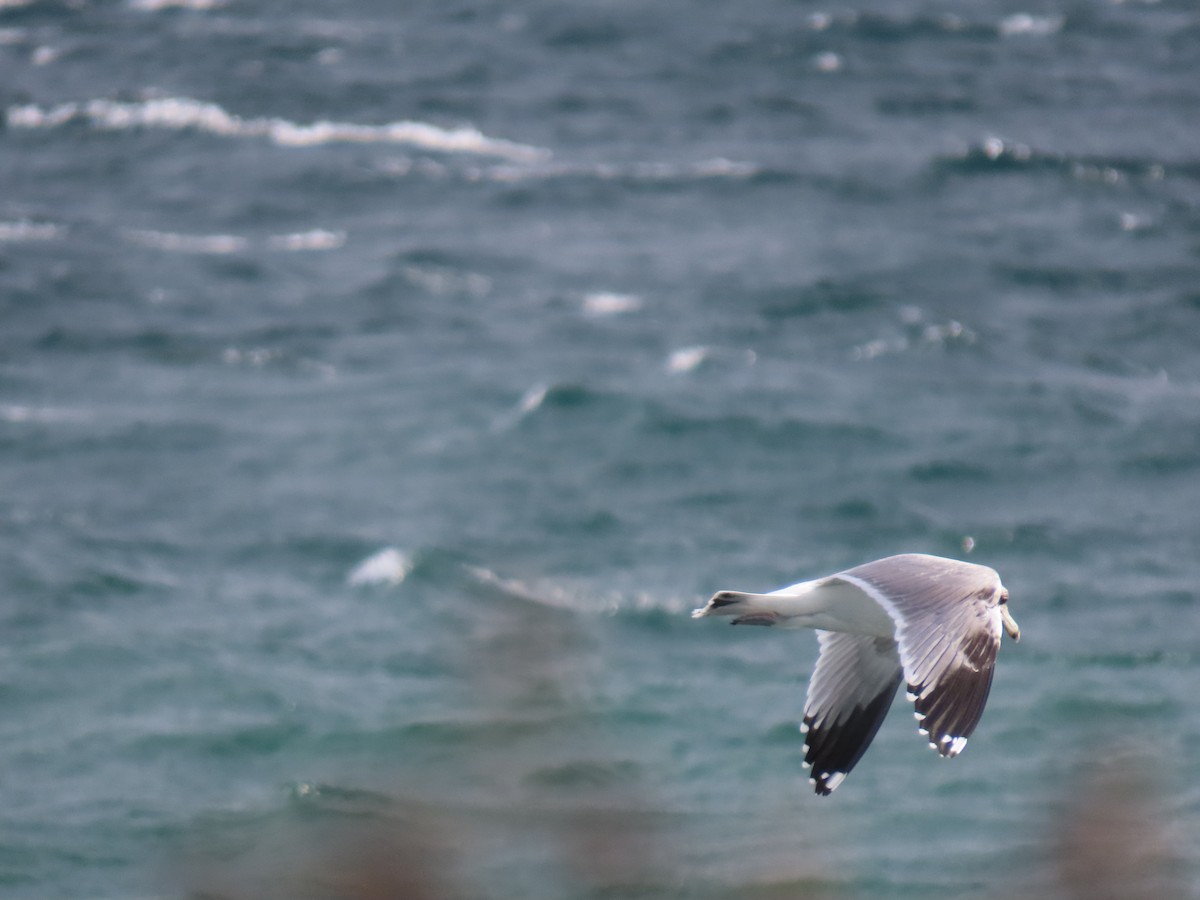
{"x": 1010, "y": 624}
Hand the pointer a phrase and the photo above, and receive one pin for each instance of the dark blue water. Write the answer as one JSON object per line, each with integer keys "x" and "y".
{"x": 382, "y": 384}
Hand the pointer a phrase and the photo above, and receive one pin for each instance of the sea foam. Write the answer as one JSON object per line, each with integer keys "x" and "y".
{"x": 218, "y": 244}
{"x": 389, "y": 566}
{"x": 24, "y": 230}
{"x": 183, "y": 113}
{"x": 156, "y": 5}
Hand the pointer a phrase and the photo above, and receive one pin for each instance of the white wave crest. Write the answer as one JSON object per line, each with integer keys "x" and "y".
{"x": 181, "y": 113}
{"x": 609, "y": 303}
{"x": 717, "y": 168}
{"x": 223, "y": 244}
{"x": 532, "y": 399}
{"x": 443, "y": 282}
{"x": 387, "y": 567}
{"x": 1024, "y": 23}
{"x": 156, "y": 5}
{"x": 317, "y": 239}
{"x": 40, "y": 415}
{"x": 217, "y": 244}
{"x": 686, "y": 359}
{"x": 44, "y": 55}
{"x": 920, "y": 335}
{"x": 24, "y": 230}
{"x": 530, "y": 402}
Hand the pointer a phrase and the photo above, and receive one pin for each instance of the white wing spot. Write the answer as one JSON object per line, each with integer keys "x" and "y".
{"x": 832, "y": 781}
{"x": 954, "y": 744}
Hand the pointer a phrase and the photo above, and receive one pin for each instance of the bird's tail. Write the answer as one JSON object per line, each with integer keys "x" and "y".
{"x": 747, "y": 609}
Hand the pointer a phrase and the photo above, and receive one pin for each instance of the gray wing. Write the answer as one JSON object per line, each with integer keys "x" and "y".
{"x": 850, "y": 693}
{"x": 948, "y": 629}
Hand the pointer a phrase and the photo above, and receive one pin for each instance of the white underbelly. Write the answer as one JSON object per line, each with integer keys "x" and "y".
{"x": 832, "y": 606}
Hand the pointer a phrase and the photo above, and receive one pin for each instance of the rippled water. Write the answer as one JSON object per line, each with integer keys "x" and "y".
{"x": 381, "y": 387}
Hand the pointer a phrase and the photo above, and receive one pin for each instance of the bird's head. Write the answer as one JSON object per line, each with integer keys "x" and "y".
{"x": 1010, "y": 624}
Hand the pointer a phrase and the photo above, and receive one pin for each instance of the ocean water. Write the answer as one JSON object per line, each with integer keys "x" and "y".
{"x": 382, "y": 384}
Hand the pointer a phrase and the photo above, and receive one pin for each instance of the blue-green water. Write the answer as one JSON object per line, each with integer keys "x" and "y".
{"x": 382, "y": 384}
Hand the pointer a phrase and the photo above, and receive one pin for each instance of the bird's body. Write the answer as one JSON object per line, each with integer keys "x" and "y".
{"x": 935, "y": 623}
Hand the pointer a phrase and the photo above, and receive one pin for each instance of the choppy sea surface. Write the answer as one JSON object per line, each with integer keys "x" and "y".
{"x": 382, "y": 384}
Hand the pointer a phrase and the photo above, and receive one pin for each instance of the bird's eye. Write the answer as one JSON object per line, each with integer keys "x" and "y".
{"x": 1004, "y": 598}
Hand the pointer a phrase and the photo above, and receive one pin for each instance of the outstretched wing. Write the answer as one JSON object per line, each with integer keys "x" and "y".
{"x": 850, "y": 693}
{"x": 948, "y": 628}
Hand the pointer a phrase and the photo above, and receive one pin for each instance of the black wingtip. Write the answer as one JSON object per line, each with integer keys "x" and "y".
{"x": 722, "y": 599}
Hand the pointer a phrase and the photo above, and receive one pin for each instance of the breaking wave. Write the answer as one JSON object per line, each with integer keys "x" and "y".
{"x": 183, "y": 113}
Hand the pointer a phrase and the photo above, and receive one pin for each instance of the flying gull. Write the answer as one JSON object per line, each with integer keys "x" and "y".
{"x": 935, "y": 622}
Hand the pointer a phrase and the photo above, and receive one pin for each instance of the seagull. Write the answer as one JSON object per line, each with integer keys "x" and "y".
{"x": 932, "y": 621}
